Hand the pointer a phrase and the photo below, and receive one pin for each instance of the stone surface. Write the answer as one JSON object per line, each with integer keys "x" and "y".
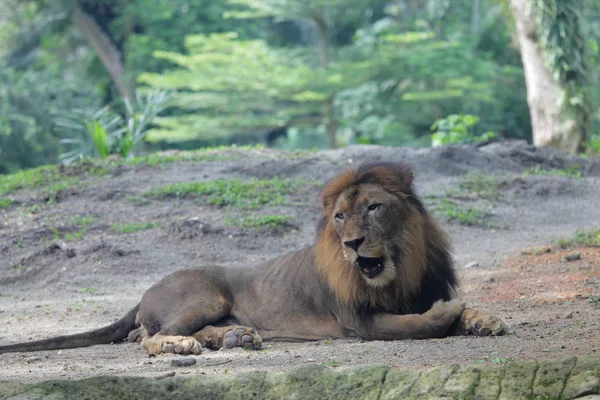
{"x": 563, "y": 378}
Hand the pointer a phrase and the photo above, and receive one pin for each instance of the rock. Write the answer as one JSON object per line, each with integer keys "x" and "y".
{"x": 572, "y": 257}
{"x": 182, "y": 361}
{"x": 491, "y": 279}
{"x": 472, "y": 264}
{"x": 569, "y": 315}
{"x": 536, "y": 251}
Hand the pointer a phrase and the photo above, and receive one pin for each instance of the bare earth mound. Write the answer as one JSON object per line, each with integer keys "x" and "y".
{"x": 79, "y": 248}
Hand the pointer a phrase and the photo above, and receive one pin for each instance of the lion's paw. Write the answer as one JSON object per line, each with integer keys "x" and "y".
{"x": 479, "y": 323}
{"x": 241, "y": 336}
{"x": 171, "y": 344}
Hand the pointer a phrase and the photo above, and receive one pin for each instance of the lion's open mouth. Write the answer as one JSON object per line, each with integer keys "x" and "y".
{"x": 370, "y": 267}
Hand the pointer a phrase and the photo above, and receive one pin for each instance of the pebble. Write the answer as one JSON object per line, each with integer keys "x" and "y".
{"x": 569, "y": 315}
{"x": 572, "y": 257}
{"x": 182, "y": 361}
{"x": 472, "y": 264}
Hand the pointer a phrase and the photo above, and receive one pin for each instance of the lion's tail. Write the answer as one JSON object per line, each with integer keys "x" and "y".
{"x": 114, "y": 332}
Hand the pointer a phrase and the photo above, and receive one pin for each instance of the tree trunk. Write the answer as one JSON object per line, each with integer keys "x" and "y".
{"x": 324, "y": 58}
{"x": 552, "y": 123}
{"x": 109, "y": 54}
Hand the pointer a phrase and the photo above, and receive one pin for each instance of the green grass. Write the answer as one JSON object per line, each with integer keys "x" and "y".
{"x": 138, "y": 200}
{"x": 271, "y": 221}
{"x": 587, "y": 238}
{"x": 83, "y": 223}
{"x": 5, "y": 203}
{"x": 47, "y": 177}
{"x": 253, "y": 193}
{"x": 159, "y": 159}
{"x": 332, "y": 364}
{"x": 574, "y": 171}
{"x": 133, "y": 227}
{"x": 469, "y": 216}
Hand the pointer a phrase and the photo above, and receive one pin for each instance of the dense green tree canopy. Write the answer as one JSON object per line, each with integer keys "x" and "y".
{"x": 295, "y": 73}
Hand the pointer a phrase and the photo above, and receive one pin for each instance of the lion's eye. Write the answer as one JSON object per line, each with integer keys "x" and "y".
{"x": 373, "y": 207}
{"x": 339, "y": 216}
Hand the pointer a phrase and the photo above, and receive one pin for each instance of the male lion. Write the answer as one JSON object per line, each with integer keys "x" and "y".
{"x": 380, "y": 270}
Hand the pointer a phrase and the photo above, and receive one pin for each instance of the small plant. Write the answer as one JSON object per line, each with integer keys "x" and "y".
{"x": 133, "y": 227}
{"x": 573, "y": 171}
{"x": 5, "y": 203}
{"x": 105, "y": 132}
{"x": 271, "y": 221}
{"x": 457, "y": 129}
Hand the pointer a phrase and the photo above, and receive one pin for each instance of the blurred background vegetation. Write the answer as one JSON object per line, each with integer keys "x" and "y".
{"x": 85, "y": 78}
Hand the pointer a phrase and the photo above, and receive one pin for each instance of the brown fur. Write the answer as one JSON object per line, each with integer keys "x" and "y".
{"x": 327, "y": 290}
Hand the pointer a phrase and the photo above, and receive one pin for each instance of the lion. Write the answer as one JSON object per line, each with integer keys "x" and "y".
{"x": 380, "y": 269}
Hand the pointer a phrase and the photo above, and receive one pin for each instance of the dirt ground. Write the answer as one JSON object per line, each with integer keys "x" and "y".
{"x": 59, "y": 275}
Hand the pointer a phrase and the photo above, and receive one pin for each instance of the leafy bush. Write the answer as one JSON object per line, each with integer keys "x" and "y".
{"x": 104, "y": 132}
{"x": 457, "y": 129}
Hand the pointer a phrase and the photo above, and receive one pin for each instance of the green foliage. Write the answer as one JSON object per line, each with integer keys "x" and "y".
{"x": 271, "y": 221}
{"x": 457, "y": 129}
{"x": 28, "y": 100}
{"x": 133, "y": 227}
{"x": 254, "y": 193}
{"x": 104, "y": 132}
{"x": 233, "y": 87}
{"x": 561, "y": 29}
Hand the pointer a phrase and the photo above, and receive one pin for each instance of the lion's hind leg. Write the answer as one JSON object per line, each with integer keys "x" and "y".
{"x": 479, "y": 323}
{"x": 160, "y": 343}
{"x": 216, "y": 337}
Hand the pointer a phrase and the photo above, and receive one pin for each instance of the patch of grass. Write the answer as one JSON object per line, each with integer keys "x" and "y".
{"x": 332, "y": 364}
{"x": 86, "y": 221}
{"x": 5, "y": 203}
{"x": 469, "y": 216}
{"x": 271, "y": 221}
{"x": 574, "y": 171}
{"x": 254, "y": 193}
{"x": 477, "y": 185}
{"x": 83, "y": 224}
{"x": 187, "y": 156}
{"x": 588, "y": 238}
{"x": 47, "y": 177}
{"x": 133, "y": 227}
{"x": 138, "y": 200}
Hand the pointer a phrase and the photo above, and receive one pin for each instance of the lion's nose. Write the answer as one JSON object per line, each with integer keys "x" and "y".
{"x": 354, "y": 244}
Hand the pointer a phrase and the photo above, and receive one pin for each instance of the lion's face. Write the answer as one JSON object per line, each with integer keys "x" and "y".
{"x": 366, "y": 218}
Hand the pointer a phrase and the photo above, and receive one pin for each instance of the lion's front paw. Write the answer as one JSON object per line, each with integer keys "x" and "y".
{"x": 479, "y": 323}
{"x": 443, "y": 314}
{"x": 171, "y": 344}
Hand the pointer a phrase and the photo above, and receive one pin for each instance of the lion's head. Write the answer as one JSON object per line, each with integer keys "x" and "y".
{"x": 376, "y": 242}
